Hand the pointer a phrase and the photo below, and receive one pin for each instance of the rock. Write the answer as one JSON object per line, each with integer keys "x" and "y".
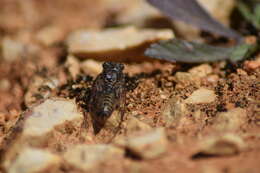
{"x": 231, "y": 120}
{"x": 173, "y": 111}
{"x": 91, "y": 67}
{"x": 253, "y": 64}
{"x": 32, "y": 160}
{"x": 201, "y": 95}
{"x": 138, "y": 13}
{"x": 201, "y": 70}
{"x": 90, "y": 157}
{"x": 55, "y": 124}
{"x": 149, "y": 145}
{"x": 210, "y": 169}
{"x": 44, "y": 117}
{"x": 73, "y": 66}
{"x": 113, "y": 43}
{"x": 227, "y": 144}
{"x": 12, "y": 49}
{"x": 184, "y": 79}
{"x": 50, "y": 35}
{"x": 39, "y": 89}
{"x": 212, "y": 78}
{"x": 133, "y": 124}
{"x": 4, "y": 84}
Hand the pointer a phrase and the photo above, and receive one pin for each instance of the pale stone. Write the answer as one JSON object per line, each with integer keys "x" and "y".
{"x": 111, "y": 43}
{"x": 137, "y": 13}
{"x": 89, "y": 157}
{"x": 52, "y": 112}
{"x": 73, "y": 66}
{"x": 173, "y": 111}
{"x": 227, "y": 144}
{"x": 149, "y": 145}
{"x": 201, "y": 70}
{"x": 50, "y": 35}
{"x": 4, "y": 84}
{"x": 91, "y": 67}
{"x": 201, "y": 95}
{"x": 133, "y": 124}
{"x": 231, "y": 120}
{"x": 31, "y": 160}
{"x": 213, "y": 8}
{"x": 184, "y": 78}
{"x": 12, "y": 49}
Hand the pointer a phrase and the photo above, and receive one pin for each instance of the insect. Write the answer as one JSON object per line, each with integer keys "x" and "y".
{"x": 107, "y": 94}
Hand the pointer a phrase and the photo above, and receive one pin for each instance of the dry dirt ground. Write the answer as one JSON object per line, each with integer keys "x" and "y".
{"x": 160, "y": 84}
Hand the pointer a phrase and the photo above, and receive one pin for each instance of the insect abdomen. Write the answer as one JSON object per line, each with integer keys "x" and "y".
{"x": 107, "y": 106}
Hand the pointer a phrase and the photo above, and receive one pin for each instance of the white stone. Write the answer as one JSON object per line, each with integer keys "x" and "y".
{"x": 201, "y": 70}
{"x": 201, "y": 95}
{"x": 134, "y": 124}
{"x": 89, "y": 157}
{"x": 12, "y": 49}
{"x": 222, "y": 145}
{"x": 31, "y": 160}
{"x": 150, "y": 145}
{"x": 91, "y": 67}
{"x": 90, "y": 41}
{"x": 50, "y": 35}
{"x": 73, "y": 66}
{"x": 52, "y": 112}
{"x": 173, "y": 111}
{"x": 231, "y": 120}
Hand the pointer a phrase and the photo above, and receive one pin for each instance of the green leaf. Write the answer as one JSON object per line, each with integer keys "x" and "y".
{"x": 242, "y": 51}
{"x": 251, "y": 16}
{"x": 257, "y": 13}
{"x": 191, "y": 52}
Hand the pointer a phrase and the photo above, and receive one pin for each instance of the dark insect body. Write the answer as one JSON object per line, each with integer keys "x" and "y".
{"x": 107, "y": 94}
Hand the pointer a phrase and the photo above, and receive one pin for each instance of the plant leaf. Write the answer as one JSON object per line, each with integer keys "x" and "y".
{"x": 242, "y": 51}
{"x": 251, "y": 16}
{"x": 191, "y": 12}
{"x": 191, "y": 52}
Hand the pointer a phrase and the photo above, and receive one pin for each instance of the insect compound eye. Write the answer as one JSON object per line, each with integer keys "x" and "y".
{"x": 107, "y": 65}
{"x": 119, "y": 67}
